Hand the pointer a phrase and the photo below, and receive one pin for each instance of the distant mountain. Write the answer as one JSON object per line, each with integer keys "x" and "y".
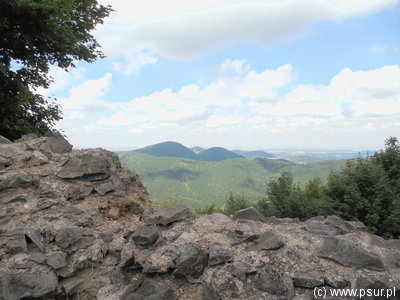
{"x": 197, "y": 149}
{"x": 170, "y": 149}
{"x": 217, "y": 154}
{"x": 254, "y": 154}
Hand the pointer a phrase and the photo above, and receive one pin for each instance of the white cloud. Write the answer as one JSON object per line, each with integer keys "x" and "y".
{"x": 377, "y": 48}
{"x": 134, "y": 62}
{"x": 246, "y": 103}
{"x": 182, "y": 29}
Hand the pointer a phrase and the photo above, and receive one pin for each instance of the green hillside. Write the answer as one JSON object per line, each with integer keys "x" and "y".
{"x": 200, "y": 183}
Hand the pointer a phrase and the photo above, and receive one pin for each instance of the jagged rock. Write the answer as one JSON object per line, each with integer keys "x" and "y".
{"x": 35, "y": 236}
{"x": 86, "y": 166}
{"x": 55, "y": 144}
{"x": 57, "y": 260}
{"x": 4, "y": 140}
{"x": 15, "y": 241}
{"x": 249, "y": 213}
{"x": 27, "y": 285}
{"x": 171, "y": 214}
{"x": 375, "y": 283}
{"x": 145, "y": 235}
{"x": 268, "y": 240}
{"x": 191, "y": 263}
{"x": 273, "y": 282}
{"x": 349, "y": 254}
{"x": 151, "y": 290}
{"x": 307, "y": 281}
{"x": 336, "y": 282}
{"x": 105, "y": 188}
{"x": 241, "y": 269}
{"x": 209, "y": 293}
{"x": 67, "y": 236}
{"x": 70, "y": 286}
{"x": 38, "y": 257}
{"x": 219, "y": 254}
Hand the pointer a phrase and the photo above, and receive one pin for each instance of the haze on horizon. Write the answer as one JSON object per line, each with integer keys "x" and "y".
{"x": 255, "y": 74}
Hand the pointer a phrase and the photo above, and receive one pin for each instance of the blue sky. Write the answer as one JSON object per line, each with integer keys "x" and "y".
{"x": 240, "y": 74}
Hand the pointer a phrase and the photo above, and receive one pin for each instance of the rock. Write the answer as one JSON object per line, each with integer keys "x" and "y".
{"x": 70, "y": 286}
{"x": 307, "y": 281}
{"x": 15, "y": 241}
{"x": 209, "y": 293}
{"x": 105, "y": 188}
{"x": 35, "y": 236}
{"x": 85, "y": 166}
{"x": 68, "y": 236}
{"x": 171, "y": 214}
{"x": 145, "y": 235}
{"x": 268, "y": 240}
{"x": 4, "y": 140}
{"x": 191, "y": 263}
{"x": 241, "y": 269}
{"x": 152, "y": 290}
{"x": 336, "y": 282}
{"x": 219, "y": 254}
{"x": 272, "y": 282}
{"x": 38, "y": 257}
{"x": 249, "y": 213}
{"x": 321, "y": 228}
{"x": 56, "y": 144}
{"x": 27, "y": 285}
{"x": 374, "y": 283}
{"x": 349, "y": 254}
{"x": 57, "y": 260}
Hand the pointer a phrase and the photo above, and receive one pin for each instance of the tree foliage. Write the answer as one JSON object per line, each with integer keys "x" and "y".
{"x": 35, "y": 34}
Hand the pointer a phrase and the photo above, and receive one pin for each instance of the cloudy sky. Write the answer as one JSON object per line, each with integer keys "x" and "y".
{"x": 249, "y": 74}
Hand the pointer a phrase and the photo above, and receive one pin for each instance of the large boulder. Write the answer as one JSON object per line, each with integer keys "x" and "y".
{"x": 145, "y": 235}
{"x": 169, "y": 215}
{"x": 191, "y": 263}
{"x": 249, "y": 213}
{"x": 350, "y": 254}
{"x": 27, "y": 285}
{"x": 86, "y": 166}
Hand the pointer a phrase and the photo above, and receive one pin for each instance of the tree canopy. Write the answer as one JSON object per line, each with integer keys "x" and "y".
{"x": 35, "y": 34}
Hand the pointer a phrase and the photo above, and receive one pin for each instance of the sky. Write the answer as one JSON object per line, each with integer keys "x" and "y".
{"x": 255, "y": 74}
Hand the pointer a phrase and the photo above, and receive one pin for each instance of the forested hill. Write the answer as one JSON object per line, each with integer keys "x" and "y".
{"x": 201, "y": 183}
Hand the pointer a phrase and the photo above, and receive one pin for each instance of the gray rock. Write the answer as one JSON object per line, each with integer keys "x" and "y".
{"x": 376, "y": 283}
{"x": 268, "y": 240}
{"x": 15, "y": 241}
{"x": 85, "y": 166}
{"x": 219, "y": 254}
{"x": 55, "y": 144}
{"x": 191, "y": 263}
{"x": 57, "y": 260}
{"x": 249, "y": 213}
{"x": 27, "y": 137}
{"x": 67, "y": 236}
{"x": 171, "y": 214}
{"x": 241, "y": 269}
{"x": 349, "y": 254}
{"x": 27, "y": 285}
{"x": 38, "y": 257}
{"x": 272, "y": 282}
{"x": 209, "y": 293}
{"x": 307, "y": 281}
{"x": 321, "y": 228}
{"x": 336, "y": 282}
{"x": 4, "y": 140}
{"x": 152, "y": 290}
{"x": 106, "y": 236}
{"x": 145, "y": 235}
{"x": 35, "y": 236}
{"x": 71, "y": 285}
{"x": 104, "y": 188}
